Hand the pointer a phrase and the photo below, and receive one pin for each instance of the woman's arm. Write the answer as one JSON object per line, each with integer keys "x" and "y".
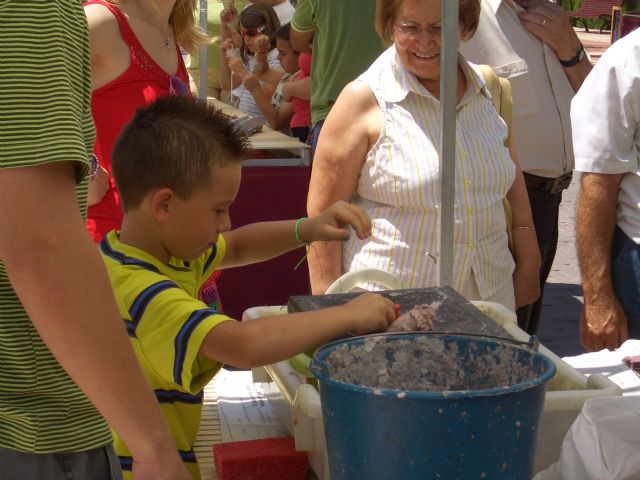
{"x": 526, "y": 276}
{"x": 109, "y": 53}
{"x": 353, "y": 125}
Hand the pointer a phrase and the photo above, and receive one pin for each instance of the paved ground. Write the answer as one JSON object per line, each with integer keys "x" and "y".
{"x": 559, "y": 325}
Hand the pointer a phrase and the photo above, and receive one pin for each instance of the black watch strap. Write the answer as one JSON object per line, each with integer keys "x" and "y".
{"x": 575, "y": 60}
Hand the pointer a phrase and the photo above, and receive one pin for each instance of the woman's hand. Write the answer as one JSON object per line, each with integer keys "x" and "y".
{"x": 329, "y": 225}
{"x": 98, "y": 186}
{"x": 526, "y": 276}
{"x": 526, "y": 283}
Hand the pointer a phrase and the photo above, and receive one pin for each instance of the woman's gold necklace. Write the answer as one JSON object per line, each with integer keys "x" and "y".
{"x": 167, "y": 38}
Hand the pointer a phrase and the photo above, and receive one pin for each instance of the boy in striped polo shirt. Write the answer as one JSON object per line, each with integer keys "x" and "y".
{"x": 177, "y": 166}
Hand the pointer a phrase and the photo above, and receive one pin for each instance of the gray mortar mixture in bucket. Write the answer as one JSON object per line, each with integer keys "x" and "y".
{"x": 429, "y": 363}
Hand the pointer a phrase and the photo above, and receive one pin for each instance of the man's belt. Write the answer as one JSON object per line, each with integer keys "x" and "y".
{"x": 552, "y": 185}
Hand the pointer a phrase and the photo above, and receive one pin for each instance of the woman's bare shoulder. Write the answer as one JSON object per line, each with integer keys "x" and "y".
{"x": 103, "y": 25}
{"x": 356, "y": 97}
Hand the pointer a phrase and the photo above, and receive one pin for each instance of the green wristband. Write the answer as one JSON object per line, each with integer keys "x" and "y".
{"x": 297, "y": 230}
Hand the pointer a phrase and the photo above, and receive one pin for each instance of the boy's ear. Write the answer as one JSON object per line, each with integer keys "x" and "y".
{"x": 161, "y": 204}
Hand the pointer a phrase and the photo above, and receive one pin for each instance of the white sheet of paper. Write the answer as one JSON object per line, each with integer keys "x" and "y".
{"x": 609, "y": 363}
{"x": 245, "y": 411}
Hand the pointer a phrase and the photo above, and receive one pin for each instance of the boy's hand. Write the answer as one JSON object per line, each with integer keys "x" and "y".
{"x": 371, "y": 312}
{"x": 329, "y": 225}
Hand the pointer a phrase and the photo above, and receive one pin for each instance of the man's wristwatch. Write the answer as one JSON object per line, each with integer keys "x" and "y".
{"x": 575, "y": 60}
{"x": 93, "y": 167}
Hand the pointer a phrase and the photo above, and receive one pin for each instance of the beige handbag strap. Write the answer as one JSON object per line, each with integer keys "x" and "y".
{"x": 500, "y": 90}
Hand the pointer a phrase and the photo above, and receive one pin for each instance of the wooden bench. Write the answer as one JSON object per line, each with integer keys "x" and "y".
{"x": 596, "y": 9}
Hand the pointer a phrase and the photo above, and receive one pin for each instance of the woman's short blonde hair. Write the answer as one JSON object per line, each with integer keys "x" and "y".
{"x": 183, "y": 20}
{"x": 386, "y": 11}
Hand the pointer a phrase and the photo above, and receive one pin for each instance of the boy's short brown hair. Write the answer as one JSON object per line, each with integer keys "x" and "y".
{"x": 173, "y": 143}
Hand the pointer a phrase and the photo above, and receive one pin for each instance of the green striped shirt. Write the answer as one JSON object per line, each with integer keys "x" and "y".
{"x": 45, "y": 116}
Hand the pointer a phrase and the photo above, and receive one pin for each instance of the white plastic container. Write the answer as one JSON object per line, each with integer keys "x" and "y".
{"x": 298, "y": 403}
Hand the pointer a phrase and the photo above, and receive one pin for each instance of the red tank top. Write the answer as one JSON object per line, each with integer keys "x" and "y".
{"x": 113, "y": 105}
{"x": 302, "y": 108}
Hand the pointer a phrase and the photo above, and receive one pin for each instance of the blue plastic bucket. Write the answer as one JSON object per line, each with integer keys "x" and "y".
{"x": 422, "y": 406}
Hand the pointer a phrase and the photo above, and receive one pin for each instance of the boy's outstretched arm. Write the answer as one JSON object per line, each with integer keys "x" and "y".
{"x": 262, "y": 241}
{"x": 266, "y": 340}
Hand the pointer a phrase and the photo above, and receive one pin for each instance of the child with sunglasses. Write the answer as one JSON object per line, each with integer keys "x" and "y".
{"x": 255, "y": 20}
{"x": 288, "y": 108}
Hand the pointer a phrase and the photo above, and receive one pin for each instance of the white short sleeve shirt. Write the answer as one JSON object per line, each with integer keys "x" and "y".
{"x": 605, "y": 114}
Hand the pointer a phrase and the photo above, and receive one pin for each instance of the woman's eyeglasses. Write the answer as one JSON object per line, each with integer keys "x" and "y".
{"x": 411, "y": 31}
{"x": 251, "y": 32}
{"x": 178, "y": 87}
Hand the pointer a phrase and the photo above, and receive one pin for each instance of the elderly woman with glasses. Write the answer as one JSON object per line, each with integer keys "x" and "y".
{"x": 379, "y": 149}
{"x": 135, "y": 58}
{"x": 257, "y": 24}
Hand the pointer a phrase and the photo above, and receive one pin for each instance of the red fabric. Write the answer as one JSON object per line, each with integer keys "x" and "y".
{"x": 302, "y": 108}
{"x": 113, "y": 105}
{"x": 261, "y": 459}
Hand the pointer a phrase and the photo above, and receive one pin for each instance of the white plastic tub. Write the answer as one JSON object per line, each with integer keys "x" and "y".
{"x": 298, "y": 403}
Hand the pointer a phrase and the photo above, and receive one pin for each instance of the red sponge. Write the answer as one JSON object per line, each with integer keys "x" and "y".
{"x": 264, "y": 459}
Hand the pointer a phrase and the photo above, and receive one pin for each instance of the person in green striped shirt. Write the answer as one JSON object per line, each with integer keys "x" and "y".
{"x": 62, "y": 345}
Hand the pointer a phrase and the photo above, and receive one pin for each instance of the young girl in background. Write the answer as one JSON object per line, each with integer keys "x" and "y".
{"x": 289, "y": 104}
{"x": 255, "y": 20}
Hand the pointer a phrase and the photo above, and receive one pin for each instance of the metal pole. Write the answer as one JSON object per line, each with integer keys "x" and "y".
{"x": 202, "y": 52}
{"x": 448, "y": 88}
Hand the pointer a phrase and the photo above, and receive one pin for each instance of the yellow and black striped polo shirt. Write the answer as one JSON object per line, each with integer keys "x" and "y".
{"x": 167, "y": 325}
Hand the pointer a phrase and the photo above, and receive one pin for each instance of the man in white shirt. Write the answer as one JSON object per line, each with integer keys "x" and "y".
{"x": 532, "y": 43}
{"x": 605, "y": 114}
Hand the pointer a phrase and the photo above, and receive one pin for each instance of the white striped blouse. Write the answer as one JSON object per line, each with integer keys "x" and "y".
{"x": 399, "y": 184}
